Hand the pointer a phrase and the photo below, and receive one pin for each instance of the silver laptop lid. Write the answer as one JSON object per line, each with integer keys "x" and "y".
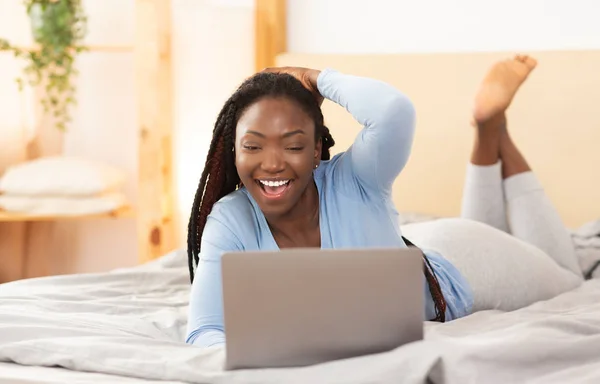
{"x": 305, "y": 306}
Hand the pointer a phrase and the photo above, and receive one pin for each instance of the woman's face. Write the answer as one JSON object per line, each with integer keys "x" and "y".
{"x": 275, "y": 153}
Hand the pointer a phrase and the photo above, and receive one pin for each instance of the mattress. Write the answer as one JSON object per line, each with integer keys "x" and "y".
{"x": 127, "y": 326}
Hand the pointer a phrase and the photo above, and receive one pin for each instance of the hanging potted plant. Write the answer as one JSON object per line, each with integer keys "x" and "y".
{"x": 58, "y": 28}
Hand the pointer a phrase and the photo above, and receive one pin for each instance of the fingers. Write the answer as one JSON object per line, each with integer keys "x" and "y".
{"x": 285, "y": 69}
{"x": 277, "y": 69}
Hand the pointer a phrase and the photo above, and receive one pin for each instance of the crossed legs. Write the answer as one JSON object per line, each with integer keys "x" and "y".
{"x": 501, "y": 190}
{"x": 513, "y": 248}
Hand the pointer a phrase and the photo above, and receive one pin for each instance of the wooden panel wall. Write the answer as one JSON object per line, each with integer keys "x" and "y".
{"x": 270, "y": 32}
{"x": 154, "y": 80}
{"x": 27, "y": 249}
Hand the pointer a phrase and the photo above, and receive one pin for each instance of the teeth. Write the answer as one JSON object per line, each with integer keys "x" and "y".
{"x": 274, "y": 183}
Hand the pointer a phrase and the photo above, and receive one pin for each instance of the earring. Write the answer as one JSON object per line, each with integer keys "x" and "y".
{"x": 316, "y": 166}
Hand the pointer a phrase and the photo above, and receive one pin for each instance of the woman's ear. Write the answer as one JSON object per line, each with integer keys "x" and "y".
{"x": 318, "y": 152}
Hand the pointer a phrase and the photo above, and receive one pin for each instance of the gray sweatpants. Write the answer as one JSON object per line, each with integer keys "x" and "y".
{"x": 510, "y": 243}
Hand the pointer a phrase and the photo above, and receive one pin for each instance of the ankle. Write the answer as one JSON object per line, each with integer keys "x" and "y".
{"x": 486, "y": 150}
{"x": 486, "y": 146}
{"x": 513, "y": 161}
{"x": 496, "y": 122}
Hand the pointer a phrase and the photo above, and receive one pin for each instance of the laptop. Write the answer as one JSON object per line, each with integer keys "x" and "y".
{"x": 298, "y": 307}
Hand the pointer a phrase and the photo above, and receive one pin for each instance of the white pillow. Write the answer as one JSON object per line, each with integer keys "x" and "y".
{"x": 61, "y": 176}
{"x": 64, "y": 206}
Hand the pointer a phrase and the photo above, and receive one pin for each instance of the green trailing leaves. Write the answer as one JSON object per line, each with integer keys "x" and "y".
{"x": 58, "y": 27}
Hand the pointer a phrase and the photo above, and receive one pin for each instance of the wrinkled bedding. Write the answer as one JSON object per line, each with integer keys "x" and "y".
{"x": 587, "y": 247}
{"x": 130, "y": 323}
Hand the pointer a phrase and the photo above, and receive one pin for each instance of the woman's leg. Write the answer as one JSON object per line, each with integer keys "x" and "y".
{"x": 505, "y": 272}
{"x": 531, "y": 215}
{"x": 483, "y": 193}
{"x": 488, "y": 199}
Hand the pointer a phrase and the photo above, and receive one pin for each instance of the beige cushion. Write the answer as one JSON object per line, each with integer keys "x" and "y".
{"x": 64, "y": 206}
{"x": 61, "y": 176}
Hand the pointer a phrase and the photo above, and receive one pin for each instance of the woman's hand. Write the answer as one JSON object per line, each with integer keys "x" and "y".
{"x": 308, "y": 78}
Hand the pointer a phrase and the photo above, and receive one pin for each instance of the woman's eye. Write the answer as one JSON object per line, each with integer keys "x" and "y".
{"x": 251, "y": 147}
{"x": 295, "y": 148}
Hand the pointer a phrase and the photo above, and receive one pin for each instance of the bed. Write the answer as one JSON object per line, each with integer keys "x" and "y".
{"x": 127, "y": 325}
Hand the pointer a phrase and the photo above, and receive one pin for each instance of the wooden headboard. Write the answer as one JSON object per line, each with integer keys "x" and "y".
{"x": 553, "y": 119}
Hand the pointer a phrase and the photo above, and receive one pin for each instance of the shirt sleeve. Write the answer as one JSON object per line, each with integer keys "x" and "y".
{"x": 457, "y": 291}
{"x": 382, "y": 147}
{"x": 205, "y": 318}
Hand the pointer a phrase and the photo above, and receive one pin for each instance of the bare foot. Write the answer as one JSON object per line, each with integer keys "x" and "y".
{"x": 500, "y": 86}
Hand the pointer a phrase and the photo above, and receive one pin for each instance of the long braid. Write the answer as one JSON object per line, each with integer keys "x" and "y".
{"x": 193, "y": 225}
{"x": 232, "y": 179}
{"x": 436, "y": 291}
{"x": 327, "y": 142}
{"x": 212, "y": 184}
{"x": 434, "y": 286}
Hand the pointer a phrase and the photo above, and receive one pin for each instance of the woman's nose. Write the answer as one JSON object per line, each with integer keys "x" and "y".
{"x": 272, "y": 161}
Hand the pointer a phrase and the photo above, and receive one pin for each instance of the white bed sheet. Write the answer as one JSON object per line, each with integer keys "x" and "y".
{"x": 131, "y": 323}
{"x": 26, "y": 374}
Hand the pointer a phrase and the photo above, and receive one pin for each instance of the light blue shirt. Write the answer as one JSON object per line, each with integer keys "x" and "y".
{"x": 355, "y": 203}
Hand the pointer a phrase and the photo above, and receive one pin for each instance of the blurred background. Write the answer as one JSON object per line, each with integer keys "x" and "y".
{"x": 212, "y": 49}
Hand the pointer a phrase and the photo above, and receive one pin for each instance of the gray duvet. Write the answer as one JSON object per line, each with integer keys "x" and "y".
{"x": 131, "y": 323}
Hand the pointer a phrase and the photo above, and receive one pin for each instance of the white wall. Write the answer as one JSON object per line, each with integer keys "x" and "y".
{"x": 214, "y": 52}
{"x": 104, "y": 129}
{"x": 396, "y": 26}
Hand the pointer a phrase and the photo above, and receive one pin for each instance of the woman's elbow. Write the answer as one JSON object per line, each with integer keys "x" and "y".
{"x": 403, "y": 108}
{"x": 400, "y": 111}
{"x": 400, "y": 118}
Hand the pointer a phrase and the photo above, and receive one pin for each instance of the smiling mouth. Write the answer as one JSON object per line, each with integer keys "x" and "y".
{"x": 274, "y": 189}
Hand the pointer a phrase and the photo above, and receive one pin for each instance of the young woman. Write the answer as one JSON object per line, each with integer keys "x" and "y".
{"x": 269, "y": 183}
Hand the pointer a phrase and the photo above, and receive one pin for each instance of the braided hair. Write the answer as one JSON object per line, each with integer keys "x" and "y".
{"x": 220, "y": 178}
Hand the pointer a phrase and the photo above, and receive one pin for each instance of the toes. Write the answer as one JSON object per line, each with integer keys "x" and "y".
{"x": 527, "y": 60}
{"x": 530, "y": 62}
